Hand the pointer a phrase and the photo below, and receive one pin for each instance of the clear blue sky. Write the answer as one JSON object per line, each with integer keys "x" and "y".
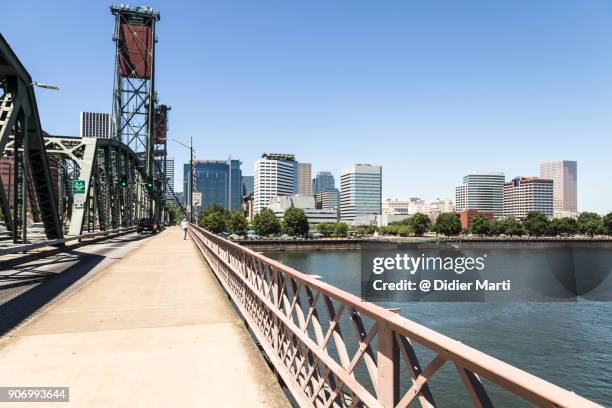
{"x": 428, "y": 90}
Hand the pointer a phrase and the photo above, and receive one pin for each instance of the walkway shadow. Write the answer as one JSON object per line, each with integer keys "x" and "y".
{"x": 18, "y": 302}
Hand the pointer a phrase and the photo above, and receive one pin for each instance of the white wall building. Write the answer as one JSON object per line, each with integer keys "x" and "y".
{"x": 360, "y": 191}
{"x": 564, "y": 175}
{"x": 410, "y": 206}
{"x": 280, "y": 204}
{"x": 275, "y": 175}
{"x": 439, "y": 206}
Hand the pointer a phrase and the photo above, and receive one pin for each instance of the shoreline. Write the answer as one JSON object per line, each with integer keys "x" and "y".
{"x": 413, "y": 243}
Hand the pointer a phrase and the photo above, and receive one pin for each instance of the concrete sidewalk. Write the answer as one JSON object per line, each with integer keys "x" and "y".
{"x": 152, "y": 330}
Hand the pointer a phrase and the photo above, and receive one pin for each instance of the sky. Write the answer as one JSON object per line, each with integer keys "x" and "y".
{"x": 428, "y": 90}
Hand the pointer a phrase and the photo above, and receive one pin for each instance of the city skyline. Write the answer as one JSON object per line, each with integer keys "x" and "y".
{"x": 397, "y": 84}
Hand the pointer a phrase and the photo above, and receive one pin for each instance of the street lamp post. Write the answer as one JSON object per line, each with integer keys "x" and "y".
{"x": 191, "y": 171}
{"x": 45, "y": 86}
{"x": 191, "y": 165}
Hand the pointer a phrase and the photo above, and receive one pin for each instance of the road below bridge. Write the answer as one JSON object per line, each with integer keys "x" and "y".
{"x": 148, "y": 326}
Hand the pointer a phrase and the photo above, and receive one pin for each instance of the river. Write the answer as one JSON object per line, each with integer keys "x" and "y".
{"x": 566, "y": 343}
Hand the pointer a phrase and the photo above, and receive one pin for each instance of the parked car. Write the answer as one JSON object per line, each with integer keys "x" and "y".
{"x": 148, "y": 224}
{"x": 253, "y": 236}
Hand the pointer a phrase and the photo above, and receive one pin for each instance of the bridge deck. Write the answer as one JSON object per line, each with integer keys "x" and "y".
{"x": 154, "y": 329}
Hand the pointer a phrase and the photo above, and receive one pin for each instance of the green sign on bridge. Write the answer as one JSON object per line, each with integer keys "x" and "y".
{"x": 78, "y": 186}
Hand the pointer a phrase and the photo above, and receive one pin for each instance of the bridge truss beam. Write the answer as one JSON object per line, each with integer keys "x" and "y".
{"x": 102, "y": 164}
{"x": 21, "y": 143}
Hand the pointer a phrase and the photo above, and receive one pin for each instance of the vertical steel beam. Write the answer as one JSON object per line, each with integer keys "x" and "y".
{"x": 16, "y": 181}
{"x": 24, "y": 180}
{"x": 82, "y": 214}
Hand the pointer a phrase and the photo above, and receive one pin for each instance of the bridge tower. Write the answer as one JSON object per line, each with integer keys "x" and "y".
{"x": 134, "y": 96}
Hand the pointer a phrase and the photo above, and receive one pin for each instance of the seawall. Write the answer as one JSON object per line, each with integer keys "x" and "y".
{"x": 403, "y": 244}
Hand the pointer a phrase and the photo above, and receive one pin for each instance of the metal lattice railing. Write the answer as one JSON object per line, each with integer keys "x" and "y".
{"x": 303, "y": 326}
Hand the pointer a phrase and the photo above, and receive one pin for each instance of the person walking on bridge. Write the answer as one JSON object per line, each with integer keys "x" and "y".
{"x": 184, "y": 228}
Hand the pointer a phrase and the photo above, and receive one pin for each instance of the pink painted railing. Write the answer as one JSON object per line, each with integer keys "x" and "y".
{"x": 318, "y": 364}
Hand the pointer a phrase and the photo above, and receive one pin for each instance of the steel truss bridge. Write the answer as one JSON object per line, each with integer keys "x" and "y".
{"x": 121, "y": 178}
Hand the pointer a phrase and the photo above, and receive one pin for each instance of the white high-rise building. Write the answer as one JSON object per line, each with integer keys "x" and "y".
{"x": 275, "y": 175}
{"x": 360, "y": 191}
{"x": 95, "y": 124}
{"x": 304, "y": 179}
{"x": 564, "y": 175}
{"x": 461, "y": 197}
{"x": 525, "y": 194}
{"x": 170, "y": 178}
{"x": 482, "y": 191}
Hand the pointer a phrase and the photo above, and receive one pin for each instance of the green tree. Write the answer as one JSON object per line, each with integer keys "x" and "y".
{"x": 404, "y": 230}
{"x": 480, "y": 225}
{"x": 607, "y": 220}
{"x": 214, "y": 222}
{"x": 340, "y": 229}
{"x": 391, "y": 229}
{"x": 295, "y": 222}
{"x": 266, "y": 223}
{"x": 564, "y": 225}
{"x": 325, "y": 229}
{"x": 419, "y": 224}
{"x": 175, "y": 214}
{"x": 215, "y": 208}
{"x": 512, "y": 227}
{"x": 237, "y": 223}
{"x": 536, "y": 224}
{"x": 496, "y": 227}
{"x": 448, "y": 224}
{"x": 590, "y": 223}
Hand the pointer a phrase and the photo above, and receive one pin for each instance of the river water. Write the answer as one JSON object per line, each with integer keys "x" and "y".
{"x": 566, "y": 343}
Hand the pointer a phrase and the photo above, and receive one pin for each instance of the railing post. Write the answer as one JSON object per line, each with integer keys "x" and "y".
{"x": 387, "y": 358}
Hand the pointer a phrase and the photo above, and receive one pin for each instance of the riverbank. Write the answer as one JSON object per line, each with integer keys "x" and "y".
{"x": 420, "y": 242}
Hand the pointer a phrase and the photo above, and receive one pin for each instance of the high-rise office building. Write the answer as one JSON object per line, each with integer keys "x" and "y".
{"x": 95, "y": 124}
{"x": 323, "y": 181}
{"x": 482, "y": 191}
{"x": 360, "y": 191}
{"x": 525, "y": 194}
{"x": 275, "y": 175}
{"x": 304, "y": 180}
{"x": 248, "y": 185}
{"x": 159, "y": 163}
{"x": 219, "y": 182}
{"x": 169, "y": 178}
{"x": 461, "y": 197}
{"x": 564, "y": 175}
{"x": 328, "y": 200}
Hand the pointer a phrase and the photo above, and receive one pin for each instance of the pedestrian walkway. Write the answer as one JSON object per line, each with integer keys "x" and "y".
{"x": 153, "y": 330}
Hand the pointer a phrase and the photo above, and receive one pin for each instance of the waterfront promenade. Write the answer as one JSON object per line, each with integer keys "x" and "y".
{"x": 153, "y": 329}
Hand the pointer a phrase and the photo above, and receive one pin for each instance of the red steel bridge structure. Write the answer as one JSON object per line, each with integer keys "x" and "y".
{"x": 72, "y": 184}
